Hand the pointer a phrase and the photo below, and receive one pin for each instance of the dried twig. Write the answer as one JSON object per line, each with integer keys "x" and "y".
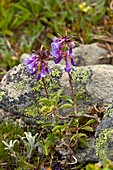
{"x": 79, "y": 116}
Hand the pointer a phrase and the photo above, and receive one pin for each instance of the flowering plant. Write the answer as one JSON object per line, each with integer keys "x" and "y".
{"x": 61, "y": 49}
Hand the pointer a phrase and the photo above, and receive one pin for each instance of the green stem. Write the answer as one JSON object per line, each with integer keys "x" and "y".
{"x": 72, "y": 91}
{"x": 45, "y": 88}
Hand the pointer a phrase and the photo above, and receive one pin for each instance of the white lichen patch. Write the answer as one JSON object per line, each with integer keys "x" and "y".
{"x": 15, "y": 83}
{"x": 14, "y": 91}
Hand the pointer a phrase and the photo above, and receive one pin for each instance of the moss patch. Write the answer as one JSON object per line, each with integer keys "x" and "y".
{"x": 19, "y": 85}
{"x": 102, "y": 144}
{"x": 81, "y": 75}
{"x": 52, "y": 81}
{"x": 80, "y": 78}
{"x": 31, "y": 111}
{"x": 109, "y": 112}
{"x": 2, "y": 93}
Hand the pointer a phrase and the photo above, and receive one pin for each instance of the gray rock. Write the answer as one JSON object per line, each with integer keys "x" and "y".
{"x": 20, "y": 91}
{"x": 91, "y": 54}
{"x": 83, "y": 155}
{"x": 23, "y": 56}
{"x": 87, "y": 155}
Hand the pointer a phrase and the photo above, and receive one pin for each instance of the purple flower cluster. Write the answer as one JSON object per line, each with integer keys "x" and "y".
{"x": 62, "y": 48}
{"x": 36, "y": 64}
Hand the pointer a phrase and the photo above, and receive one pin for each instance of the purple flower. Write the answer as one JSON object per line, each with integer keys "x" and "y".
{"x": 56, "y": 166}
{"x": 36, "y": 64}
{"x": 43, "y": 71}
{"x": 31, "y": 63}
{"x": 69, "y": 60}
{"x": 56, "y": 46}
{"x": 62, "y": 48}
{"x": 70, "y": 46}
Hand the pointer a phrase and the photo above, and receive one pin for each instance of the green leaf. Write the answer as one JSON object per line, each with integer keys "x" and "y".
{"x": 7, "y": 32}
{"x": 67, "y": 98}
{"x": 58, "y": 95}
{"x": 45, "y": 101}
{"x": 49, "y": 14}
{"x": 19, "y": 20}
{"x": 64, "y": 127}
{"x": 73, "y": 137}
{"x": 51, "y": 108}
{"x": 89, "y": 122}
{"x": 94, "y": 167}
{"x": 21, "y": 8}
{"x": 65, "y": 106}
{"x": 83, "y": 142}
{"x": 44, "y": 109}
{"x": 81, "y": 135}
{"x": 46, "y": 148}
{"x": 88, "y": 128}
{"x": 55, "y": 97}
{"x": 78, "y": 95}
{"x": 56, "y": 128}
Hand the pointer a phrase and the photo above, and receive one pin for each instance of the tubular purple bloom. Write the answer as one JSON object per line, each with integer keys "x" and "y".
{"x": 38, "y": 77}
{"x": 43, "y": 71}
{"x": 73, "y": 62}
{"x": 70, "y": 46}
{"x": 62, "y": 48}
{"x": 70, "y": 50}
{"x": 47, "y": 70}
{"x": 55, "y": 51}
{"x": 56, "y": 45}
{"x": 36, "y": 64}
{"x": 31, "y": 63}
{"x": 58, "y": 59}
{"x": 68, "y": 67}
{"x": 54, "y": 38}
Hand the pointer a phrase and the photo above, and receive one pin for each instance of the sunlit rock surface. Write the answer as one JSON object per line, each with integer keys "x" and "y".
{"x": 19, "y": 90}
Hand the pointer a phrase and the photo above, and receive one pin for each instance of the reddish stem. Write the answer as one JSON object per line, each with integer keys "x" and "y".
{"x": 72, "y": 91}
{"x": 45, "y": 88}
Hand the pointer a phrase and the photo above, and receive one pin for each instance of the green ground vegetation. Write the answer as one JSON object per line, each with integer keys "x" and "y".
{"x": 24, "y": 26}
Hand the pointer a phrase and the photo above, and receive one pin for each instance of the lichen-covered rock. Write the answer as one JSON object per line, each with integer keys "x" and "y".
{"x": 104, "y": 136}
{"x": 19, "y": 92}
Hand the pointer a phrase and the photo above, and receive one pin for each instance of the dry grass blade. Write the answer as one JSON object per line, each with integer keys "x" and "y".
{"x": 111, "y": 5}
{"x": 103, "y": 38}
